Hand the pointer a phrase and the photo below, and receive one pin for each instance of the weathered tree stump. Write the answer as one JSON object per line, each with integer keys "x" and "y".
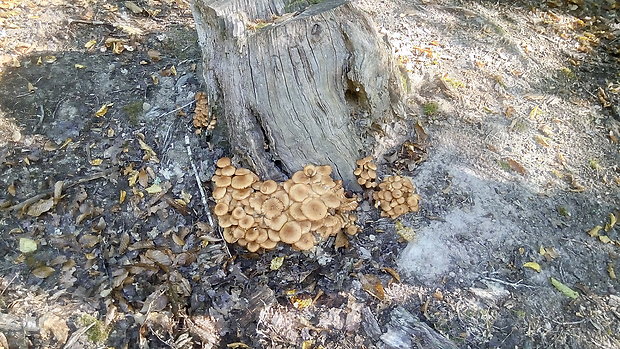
{"x": 296, "y": 81}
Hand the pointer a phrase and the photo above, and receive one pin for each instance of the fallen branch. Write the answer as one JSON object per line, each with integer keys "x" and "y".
{"x": 51, "y": 191}
{"x": 17, "y": 323}
{"x": 203, "y": 196}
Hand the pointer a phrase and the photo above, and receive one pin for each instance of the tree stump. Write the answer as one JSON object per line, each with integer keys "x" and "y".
{"x": 296, "y": 81}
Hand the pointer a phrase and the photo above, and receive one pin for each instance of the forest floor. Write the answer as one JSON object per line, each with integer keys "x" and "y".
{"x": 105, "y": 242}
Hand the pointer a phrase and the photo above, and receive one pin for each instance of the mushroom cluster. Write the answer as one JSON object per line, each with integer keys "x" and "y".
{"x": 396, "y": 196}
{"x": 366, "y": 172}
{"x": 301, "y": 211}
{"x": 202, "y": 115}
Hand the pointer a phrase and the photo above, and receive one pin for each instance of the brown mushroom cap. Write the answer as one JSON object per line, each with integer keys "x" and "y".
{"x": 223, "y": 162}
{"x": 305, "y": 226}
{"x": 300, "y": 177}
{"x": 228, "y": 236}
{"x": 290, "y": 232}
{"x": 268, "y": 187}
{"x": 310, "y": 170}
{"x": 295, "y": 212}
{"x": 242, "y": 181}
{"x": 251, "y": 234}
{"x": 277, "y": 222}
{"x": 272, "y": 208}
{"x": 273, "y": 235}
{"x": 282, "y": 196}
{"x": 262, "y": 236}
{"x": 269, "y": 244}
{"x": 218, "y": 192}
{"x": 221, "y": 181}
{"x": 331, "y": 200}
{"x": 220, "y": 209}
{"x": 228, "y": 171}
{"x": 305, "y": 242}
{"x": 253, "y": 246}
{"x": 238, "y": 212}
{"x": 314, "y": 209}
{"x": 238, "y": 233}
{"x": 246, "y": 222}
{"x": 242, "y": 171}
{"x": 299, "y": 192}
{"x": 324, "y": 170}
{"x": 241, "y": 194}
{"x": 242, "y": 242}
{"x": 352, "y": 229}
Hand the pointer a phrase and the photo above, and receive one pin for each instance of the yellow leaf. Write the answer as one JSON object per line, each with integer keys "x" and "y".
{"x": 103, "y": 110}
{"x": 237, "y": 345}
{"x": 66, "y": 143}
{"x": 79, "y": 66}
{"x": 27, "y": 245}
{"x": 90, "y": 44}
{"x": 594, "y": 231}
{"x": 604, "y": 239}
{"x": 122, "y": 197}
{"x": 301, "y": 302}
{"x": 307, "y": 344}
{"x": 178, "y": 240}
{"x": 612, "y": 222}
{"x": 535, "y": 112}
{"x": 31, "y": 87}
{"x": 392, "y": 272}
{"x": 96, "y": 162}
{"x": 50, "y": 59}
{"x": 149, "y": 152}
{"x": 611, "y": 271}
{"x": 533, "y": 265}
{"x": 276, "y": 263}
{"x": 185, "y": 196}
{"x": 542, "y": 140}
{"x": 133, "y": 178}
{"x": 567, "y": 291}
{"x": 154, "y": 189}
{"x": 43, "y": 272}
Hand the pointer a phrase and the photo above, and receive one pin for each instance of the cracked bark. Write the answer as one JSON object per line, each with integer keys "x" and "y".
{"x": 296, "y": 81}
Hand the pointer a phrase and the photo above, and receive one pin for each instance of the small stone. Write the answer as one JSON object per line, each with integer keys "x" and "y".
{"x": 146, "y": 106}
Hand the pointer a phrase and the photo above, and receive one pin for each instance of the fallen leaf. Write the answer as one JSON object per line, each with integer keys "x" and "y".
{"x": 594, "y": 231}
{"x": 542, "y": 140}
{"x": 604, "y": 239}
{"x": 50, "y": 59}
{"x": 79, "y": 66}
{"x": 567, "y": 291}
{"x": 516, "y": 166}
{"x": 154, "y": 55}
{"x": 154, "y": 189}
{"x": 133, "y": 7}
{"x": 178, "y": 240}
{"x": 27, "y": 245}
{"x": 149, "y": 153}
{"x": 122, "y": 196}
{"x": 341, "y": 241}
{"x": 611, "y": 271}
{"x": 612, "y": 221}
{"x": 58, "y": 186}
{"x": 237, "y": 345}
{"x": 405, "y": 233}
{"x": 43, "y": 272}
{"x": 96, "y": 162}
{"x": 307, "y": 344}
{"x": 535, "y": 112}
{"x": 392, "y": 272}
{"x": 11, "y": 189}
{"x": 372, "y": 284}
{"x": 103, "y": 110}
{"x": 50, "y": 323}
{"x": 40, "y": 207}
{"x": 90, "y": 44}
{"x": 276, "y": 263}
{"x": 301, "y": 302}
{"x": 533, "y": 265}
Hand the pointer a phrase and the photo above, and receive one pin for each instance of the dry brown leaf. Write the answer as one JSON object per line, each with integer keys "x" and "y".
{"x": 159, "y": 257}
{"x": 372, "y": 284}
{"x": 43, "y": 272}
{"x": 11, "y": 189}
{"x": 392, "y": 272}
{"x": 516, "y": 166}
{"x": 89, "y": 240}
{"x": 40, "y": 207}
{"x": 341, "y": 241}
{"x": 52, "y": 324}
{"x": 58, "y": 191}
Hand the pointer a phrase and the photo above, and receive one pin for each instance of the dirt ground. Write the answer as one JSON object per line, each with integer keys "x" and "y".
{"x": 106, "y": 243}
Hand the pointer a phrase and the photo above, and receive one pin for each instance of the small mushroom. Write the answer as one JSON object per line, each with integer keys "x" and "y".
{"x": 268, "y": 187}
{"x": 314, "y": 209}
{"x": 223, "y": 162}
{"x": 220, "y": 209}
{"x": 299, "y": 192}
{"x": 272, "y": 208}
{"x": 305, "y": 242}
{"x": 290, "y": 232}
{"x": 242, "y": 181}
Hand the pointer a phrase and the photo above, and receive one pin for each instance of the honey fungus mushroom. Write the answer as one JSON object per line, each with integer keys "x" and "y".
{"x": 366, "y": 173}
{"x": 300, "y": 212}
{"x": 396, "y": 196}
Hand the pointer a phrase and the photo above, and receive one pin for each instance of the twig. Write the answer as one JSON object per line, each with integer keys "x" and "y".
{"x": 81, "y": 21}
{"x": 41, "y": 117}
{"x": 77, "y": 334}
{"x": 203, "y": 196}
{"x": 9, "y": 284}
{"x": 177, "y": 109}
{"x": 51, "y": 191}
{"x": 512, "y": 284}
